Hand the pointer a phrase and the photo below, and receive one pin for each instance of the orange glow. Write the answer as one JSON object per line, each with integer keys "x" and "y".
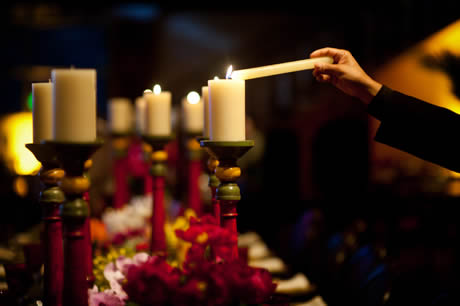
{"x": 16, "y": 129}
{"x": 406, "y": 73}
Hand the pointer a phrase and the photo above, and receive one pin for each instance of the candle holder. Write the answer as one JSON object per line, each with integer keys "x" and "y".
{"x": 120, "y": 145}
{"x": 213, "y": 181}
{"x": 194, "y": 156}
{"x": 51, "y": 198}
{"x": 88, "y": 243}
{"x": 228, "y": 192}
{"x": 159, "y": 158}
{"x": 75, "y": 212}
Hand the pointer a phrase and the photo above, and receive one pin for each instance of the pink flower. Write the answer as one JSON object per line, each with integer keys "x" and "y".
{"x": 105, "y": 298}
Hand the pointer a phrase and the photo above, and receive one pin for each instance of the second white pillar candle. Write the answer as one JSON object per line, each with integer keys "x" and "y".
{"x": 158, "y": 120}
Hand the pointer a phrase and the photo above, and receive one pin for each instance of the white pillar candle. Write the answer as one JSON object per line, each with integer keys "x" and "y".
{"x": 227, "y": 109}
{"x": 204, "y": 97}
{"x": 192, "y": 109}
{"x": 258, "y": 72}
{"x": 141, "y": 114}
{"x": 158, "y": 121}
{"x": 120, "y": 115}
{"x": 74, "y": 104}
{"x": 42, "y": 111}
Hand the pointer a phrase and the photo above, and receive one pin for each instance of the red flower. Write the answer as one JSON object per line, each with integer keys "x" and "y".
{"x": 250, "y": 285}
{"x": 152, "y": 283}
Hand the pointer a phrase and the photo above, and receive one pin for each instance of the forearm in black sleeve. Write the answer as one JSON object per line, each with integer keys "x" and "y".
{"x": 417, "y": 127}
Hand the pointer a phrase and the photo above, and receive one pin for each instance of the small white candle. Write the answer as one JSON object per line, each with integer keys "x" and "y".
{"x": 258, "y": 72}
{"x": 158, "y": 121}
{"x": 120, "y": 115}
{"x": 204, "y": 97}
{"x": 74, "y": 104}
{"x": 141, "y": 114}
{"x": 192, "y": 107}
{"x": 227, "y": 110}
{"x": 42, "y": 111}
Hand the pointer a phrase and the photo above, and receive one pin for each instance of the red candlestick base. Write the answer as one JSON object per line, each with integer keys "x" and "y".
{"x": 228, "y": 221}
{"x": 75, "y": 282}
{"x": 158, "y": 241}
{"x": 54, "y": 256}
{"x": 215, "y": 205}
{"x": 194, "y": 186}
{"x": 121, "y": 194}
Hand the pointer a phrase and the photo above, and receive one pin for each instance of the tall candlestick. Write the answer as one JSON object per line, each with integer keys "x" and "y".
{"x": 192, "y": 107}
{"x": 258, "y": 72}
{"x": 42, "y": 111}
{"x": 204, "y": 97}
{"x": 120, "y": 115}
{"x": 141, "y": 110}
{"x": 74, "y": 104}
{"x": 158, "y": 121}
{"x": 227, "y": 109}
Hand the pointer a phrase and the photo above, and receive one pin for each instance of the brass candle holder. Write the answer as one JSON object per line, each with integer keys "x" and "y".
{"x": 72, "y": 156}
{"x": 159, "y": 159}
{"x": 51, "y": 198}
{"x": 228, "y": 172}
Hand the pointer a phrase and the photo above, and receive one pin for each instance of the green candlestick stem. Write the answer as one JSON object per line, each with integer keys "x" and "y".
{"x": 51, "y": 198}
{"x": 228, "y": 172}
{"x": 159, "y": 158}
{"x": 75, "y": 211}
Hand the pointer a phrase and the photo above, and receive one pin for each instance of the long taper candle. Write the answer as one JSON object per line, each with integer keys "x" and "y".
{"x": 263, "y": 71}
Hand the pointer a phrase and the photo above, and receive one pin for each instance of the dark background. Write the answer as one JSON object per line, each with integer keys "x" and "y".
{"x": 309, "y": 194}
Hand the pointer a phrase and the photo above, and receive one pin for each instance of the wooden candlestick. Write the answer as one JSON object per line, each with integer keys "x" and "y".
{"x": 148, "y": 181}
{"x": 72, "y": 157}
{"x": 228, "y": 192}
{"x": 120, "y": 145}
{"x": 213, "y": 183}
{"x": 89, "y": 246}
{"x": 194, "y": 171}
{"x": 51, "y": 198}
{"x": 159, "y": 158}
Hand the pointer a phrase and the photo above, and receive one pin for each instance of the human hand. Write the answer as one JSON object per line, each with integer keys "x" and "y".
{"x": 345, "y": 73}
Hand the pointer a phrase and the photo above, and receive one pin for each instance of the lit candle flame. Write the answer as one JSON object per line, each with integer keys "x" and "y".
{"x": 229, "y": 72}
{"x": 157, "y": 89}
{"x": 216, "y": 77}
{"x": 193, "y": 97}
{"x": 147, "y": 91}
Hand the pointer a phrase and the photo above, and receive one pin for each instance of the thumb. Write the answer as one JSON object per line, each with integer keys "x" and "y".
{"x": 326, "y": 68}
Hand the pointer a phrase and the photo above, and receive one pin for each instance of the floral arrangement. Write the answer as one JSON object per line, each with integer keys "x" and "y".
{"x": 208, "y": 275}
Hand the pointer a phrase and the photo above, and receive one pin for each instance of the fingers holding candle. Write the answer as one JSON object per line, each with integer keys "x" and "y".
{"x": 345, "y": 73}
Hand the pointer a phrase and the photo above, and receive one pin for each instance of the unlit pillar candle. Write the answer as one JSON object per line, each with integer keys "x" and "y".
{"x": 120, "y": 115}
{"x": 74, "y": 105}
{"x": 141, "y": 114}
{"x": 204, "y": 97}
{"x": 42, "y": 111}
